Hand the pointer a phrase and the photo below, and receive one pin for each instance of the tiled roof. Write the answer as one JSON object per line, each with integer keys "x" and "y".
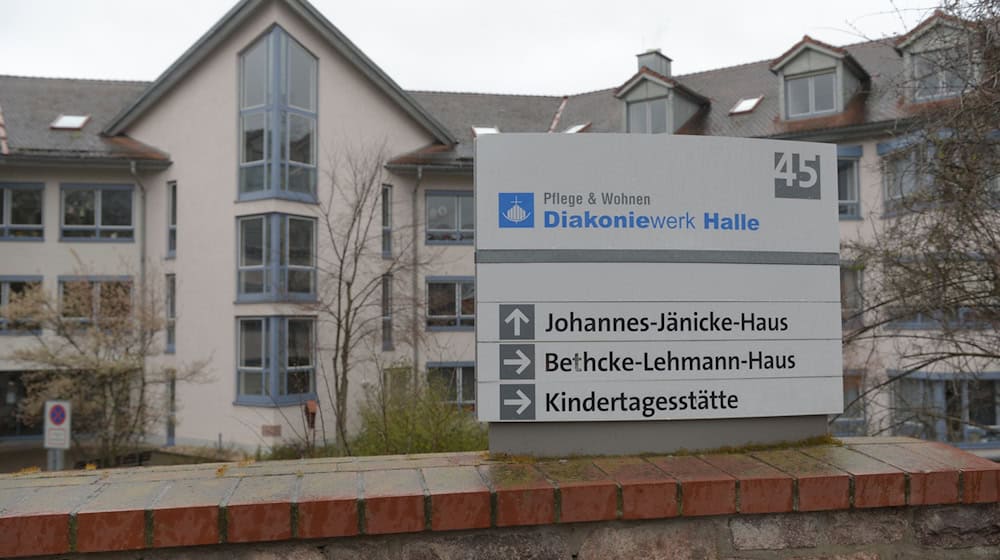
{"x": 31, "y": 104}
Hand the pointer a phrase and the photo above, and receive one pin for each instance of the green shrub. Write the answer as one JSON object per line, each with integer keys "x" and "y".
{"x": 413, "y": 417}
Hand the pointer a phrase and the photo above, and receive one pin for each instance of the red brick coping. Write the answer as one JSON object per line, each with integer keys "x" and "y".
{"x": 129, "y": 509}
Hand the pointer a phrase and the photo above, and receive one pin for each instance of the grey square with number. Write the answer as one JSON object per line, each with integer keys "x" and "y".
{"x": 517, "y": 361}
{"x": 796, "y": 176}
{"x": 517, "y": 402}
{"x": 517, "y": 321}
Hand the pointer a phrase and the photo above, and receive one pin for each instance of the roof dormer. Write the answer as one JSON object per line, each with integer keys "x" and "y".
{"x": 816, "y": 79}
{"x": 655, "y": 103}
{"x": 938, "y": 58}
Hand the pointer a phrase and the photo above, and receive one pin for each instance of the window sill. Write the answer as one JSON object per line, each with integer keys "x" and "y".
{"x": 271, "y": 298}
{"x": 170, "y": 350}
{"x": 450, "y": 329}
{"x": 170, "y": 256}
{"x": 280, "y": 195}
{"x": 851, "y": 219}
{"x": 96, "y": 240}
{"x": 274, "y": 402}
{"x": 4, "y": 333}
{"x": 18, "y": 239}
{"x": 450, "y": 242}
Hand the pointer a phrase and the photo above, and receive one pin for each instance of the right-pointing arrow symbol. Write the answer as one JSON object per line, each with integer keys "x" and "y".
{"x": 517, "y": 317}
{"x": 522, "y": 361}
{"x": 522, "y": 400}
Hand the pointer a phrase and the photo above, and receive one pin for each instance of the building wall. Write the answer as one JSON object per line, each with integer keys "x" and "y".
{"x": 354, "y": 117}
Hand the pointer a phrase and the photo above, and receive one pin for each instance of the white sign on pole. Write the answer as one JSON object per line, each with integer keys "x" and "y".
{"x": 58, "y": 422}
{"x": 634, "y": 277}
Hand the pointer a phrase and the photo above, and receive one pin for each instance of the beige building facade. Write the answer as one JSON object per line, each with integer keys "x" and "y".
{"x": 226, "y": 183}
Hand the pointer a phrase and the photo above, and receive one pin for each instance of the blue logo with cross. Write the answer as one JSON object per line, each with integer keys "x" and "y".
{"x": 517, "y": 210}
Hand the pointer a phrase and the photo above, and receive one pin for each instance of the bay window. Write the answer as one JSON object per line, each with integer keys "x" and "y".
{"x": 278, "y": 102}
{"x": 276, "y": 360}
{"x": 277, "y": 258}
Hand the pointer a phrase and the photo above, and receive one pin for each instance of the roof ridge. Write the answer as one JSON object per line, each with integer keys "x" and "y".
{"x": 94, "y": 80}
{"x": 484, "y": 93}
{"x": 768, "y": 60}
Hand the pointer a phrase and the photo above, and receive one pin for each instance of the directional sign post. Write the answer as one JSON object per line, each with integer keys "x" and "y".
{"x": 633, "y": 290}
{"x": 57, "y": 429}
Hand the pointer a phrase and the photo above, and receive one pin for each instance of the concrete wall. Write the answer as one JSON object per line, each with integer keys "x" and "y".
{"x": 870, "y": 499}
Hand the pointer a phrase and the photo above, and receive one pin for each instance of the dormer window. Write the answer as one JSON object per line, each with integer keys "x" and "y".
{"x": 937, "y": 74}
{"x": 817, "y": 79}
{"x": 814, "y": 94}
{"x": 648, "y": 116}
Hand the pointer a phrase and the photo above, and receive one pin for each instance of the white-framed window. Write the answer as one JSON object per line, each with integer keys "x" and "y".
{"x": 170, "y": 307}
{"x": 451, "y": 303}
{"x": 814, "y": 94}
{"x": 457, "y": 380}
{"x": 97, "y": 212}
{"x": 276, "y": 360}
{"x": 451, "y": 217}
{"x": 276, "y": 258}
{"x": 11, "y": 289}
{"x": 648, "y": 116}
{"x": 387, "y": 312}
{"x": 938, "y": 74}
{"x": 278, "y": 104}
{"x": 21, "y": 211}
{"x": 847, "y": 187}
{"x": 171, "y": 218}
{"x": 387, "y": 221}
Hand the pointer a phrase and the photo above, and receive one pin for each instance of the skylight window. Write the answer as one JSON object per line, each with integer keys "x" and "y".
{"x": 576, "y": 128}
{"x": 70, "y": 122}
{"x": 481, "y": 130}
{"x": 745, "y": 105}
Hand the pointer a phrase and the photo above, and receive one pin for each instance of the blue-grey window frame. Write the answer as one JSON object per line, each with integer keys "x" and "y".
{"x": 851, "y": 154}
{"x": 457, "y": 281}
{"x": 458, "y": 231}
{"x": 276, "y": 274}
{"x": 5, "y": 281}
{"x": 274, "y": 108}
{"x": 93, "y": 279}
{"x": 386, "y": 303}
{"x": 171, "y": 219}
{"x": 938, "y": 399}
{"x": 5, "y": 226}
{"x": 170, "y": 310}
{"x": 97, "y": 228}
{"x": 457, "y": 367}
{"x": 386, "y": 221}
{"x": 275, "y": 362}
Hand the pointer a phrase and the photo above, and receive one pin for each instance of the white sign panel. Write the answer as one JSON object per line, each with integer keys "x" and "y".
{"x": 58, "y": 419}
{"x": 634, "y": 277}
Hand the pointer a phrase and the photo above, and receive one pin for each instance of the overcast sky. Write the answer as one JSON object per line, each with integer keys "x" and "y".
{"x": 510, "y": 46}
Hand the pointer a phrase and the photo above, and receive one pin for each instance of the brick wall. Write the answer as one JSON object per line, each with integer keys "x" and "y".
{"x": 868, "y": 499}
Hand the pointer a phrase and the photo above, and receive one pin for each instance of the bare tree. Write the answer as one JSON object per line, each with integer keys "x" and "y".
{"x": 94, "y": 345}
{"x": 932, "y": 266}
{"x": 362, "y": 259}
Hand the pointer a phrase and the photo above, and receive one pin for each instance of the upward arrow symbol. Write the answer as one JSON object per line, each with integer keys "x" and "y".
{"x": 517, "y": 317}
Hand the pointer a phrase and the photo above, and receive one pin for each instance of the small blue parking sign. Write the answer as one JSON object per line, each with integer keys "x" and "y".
{"x": 517, "y": 210}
